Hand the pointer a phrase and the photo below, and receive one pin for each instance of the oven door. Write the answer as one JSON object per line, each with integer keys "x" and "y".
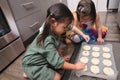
{"x": 8, "y": 29}
{"x": 7, "y": 39}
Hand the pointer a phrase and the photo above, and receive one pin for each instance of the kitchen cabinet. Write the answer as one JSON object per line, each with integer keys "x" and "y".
{"x": 29, "y": 25}
{"x": 29, "y": 15}
{"x": 22, "y": 8}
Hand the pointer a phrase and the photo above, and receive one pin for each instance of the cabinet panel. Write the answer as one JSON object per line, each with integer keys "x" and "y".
{"x": 22, "y": 8}
{"x": 29, "y": 15}
{"x": 30, "y": 25}
{"x": 45, "y": 5}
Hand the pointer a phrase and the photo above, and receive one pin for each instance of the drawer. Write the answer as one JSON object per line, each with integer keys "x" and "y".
{"x": 22, "y": 8}
{"x": 46, "y": 4}
{"x": 29, "y": 25}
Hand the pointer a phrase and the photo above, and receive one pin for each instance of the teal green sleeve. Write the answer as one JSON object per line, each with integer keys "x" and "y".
{"x": 52, "y": 55}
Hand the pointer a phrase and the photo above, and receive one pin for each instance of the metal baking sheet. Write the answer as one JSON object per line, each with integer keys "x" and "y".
{"x": 100, "y": 65}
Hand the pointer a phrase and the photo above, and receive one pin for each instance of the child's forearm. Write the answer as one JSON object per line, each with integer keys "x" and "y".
{"x": 76, "y": 30}
{"x": 99, "y": 32}
{"x": 68, "y": 66}
{"x": 98, "y": 25}
{"x": 60, "y": 52}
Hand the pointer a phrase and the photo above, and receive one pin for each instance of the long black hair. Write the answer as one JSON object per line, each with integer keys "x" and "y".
{"x": 86, "y": 8}
{"x": 59, "y": 12}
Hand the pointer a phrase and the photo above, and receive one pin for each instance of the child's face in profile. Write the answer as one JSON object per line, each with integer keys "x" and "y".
{"x": 60, "y": 27}
{"x": 85, "y": 19}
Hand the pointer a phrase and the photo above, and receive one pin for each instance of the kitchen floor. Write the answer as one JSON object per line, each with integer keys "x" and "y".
{"x": 14, "y": 71}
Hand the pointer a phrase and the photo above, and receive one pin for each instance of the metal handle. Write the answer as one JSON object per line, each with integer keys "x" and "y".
{"x": 34, "y": 25}
{"x": 28, "y": 5}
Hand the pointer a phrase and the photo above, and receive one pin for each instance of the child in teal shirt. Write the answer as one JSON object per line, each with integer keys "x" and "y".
{"x": 42, "y": 58}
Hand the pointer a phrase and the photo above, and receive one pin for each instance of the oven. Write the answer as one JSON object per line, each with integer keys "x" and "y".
{"x": 11, "y": 44}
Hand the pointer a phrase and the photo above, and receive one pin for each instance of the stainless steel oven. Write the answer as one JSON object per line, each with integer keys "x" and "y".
{"x": 11, "y": 44}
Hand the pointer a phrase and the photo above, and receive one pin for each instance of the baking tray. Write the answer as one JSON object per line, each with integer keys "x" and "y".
{"x": 100, "y": 65}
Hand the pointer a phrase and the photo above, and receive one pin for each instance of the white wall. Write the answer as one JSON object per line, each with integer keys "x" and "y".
{"x": 102, "y": 5}
{"x": 99, "y": 4}
{"x": 96, "y": 4}
{"x": 72, "y": 4}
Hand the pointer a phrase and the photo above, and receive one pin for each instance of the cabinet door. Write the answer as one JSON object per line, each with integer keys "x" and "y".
{"x": 29, "y": 25}
{"x": 45, "y": 5}
{"x": 22, "y": 8}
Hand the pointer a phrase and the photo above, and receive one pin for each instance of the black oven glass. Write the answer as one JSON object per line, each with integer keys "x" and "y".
{"x": 4, "y": 27}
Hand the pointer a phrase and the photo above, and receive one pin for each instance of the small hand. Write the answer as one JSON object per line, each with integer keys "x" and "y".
{"x": 101, "y": 40}
{"x": 68, "y": 41}
{"x": 70, "y": 34}
{"x": 86, "y": 37}
{"x": 60, "y": 51}
{"x": 67, "y": 58}
{"x": 79, "y": 66}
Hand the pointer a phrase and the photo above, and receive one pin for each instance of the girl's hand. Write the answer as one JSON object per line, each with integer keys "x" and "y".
{"x": 68, "y": 41}
{"x": 60, "y": 51}
{"x": 101, "y": 40}
{"x": 79, "y": 66}
{"x": 67, "y": 57}
{"x": 86, "y": 37}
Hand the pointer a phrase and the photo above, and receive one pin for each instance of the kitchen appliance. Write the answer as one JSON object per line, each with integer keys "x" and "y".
{"x": 112, "y": 4}
{"x": 11, "y": 44}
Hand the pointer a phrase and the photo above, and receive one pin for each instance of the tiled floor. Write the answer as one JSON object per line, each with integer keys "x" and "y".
{"x": 14, "y": 71}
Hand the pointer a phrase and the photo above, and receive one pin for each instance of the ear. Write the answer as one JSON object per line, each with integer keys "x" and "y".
{"x": 53, "y": 22}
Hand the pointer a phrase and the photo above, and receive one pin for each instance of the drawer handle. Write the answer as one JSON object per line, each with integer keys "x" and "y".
{"x": 34, "y": 25}
{"x": 28, "y": 5}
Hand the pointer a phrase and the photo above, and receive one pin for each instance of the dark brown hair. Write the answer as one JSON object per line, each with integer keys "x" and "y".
{"x": 59, "y": 12}
{"x": 86, "y": 8}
